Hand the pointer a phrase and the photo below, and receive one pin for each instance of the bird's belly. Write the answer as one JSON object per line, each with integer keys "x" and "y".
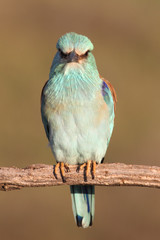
{"x": 79, "y": 135}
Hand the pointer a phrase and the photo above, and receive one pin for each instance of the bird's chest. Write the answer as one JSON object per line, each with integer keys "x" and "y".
{"x": 78, "y": 132}
{"x": 74, "y": 121}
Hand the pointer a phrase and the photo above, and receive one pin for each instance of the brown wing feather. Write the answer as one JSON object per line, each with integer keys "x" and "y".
{"x": 114, "y": 95}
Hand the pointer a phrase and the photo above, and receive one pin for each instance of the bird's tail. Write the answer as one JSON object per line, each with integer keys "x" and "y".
{"x": 83, "y": 201}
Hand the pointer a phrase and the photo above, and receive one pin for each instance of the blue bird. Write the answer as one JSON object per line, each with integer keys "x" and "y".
{"x": 78, "y": 110}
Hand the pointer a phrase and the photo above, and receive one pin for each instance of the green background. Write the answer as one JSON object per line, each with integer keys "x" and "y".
{"x": 126, "y": 36}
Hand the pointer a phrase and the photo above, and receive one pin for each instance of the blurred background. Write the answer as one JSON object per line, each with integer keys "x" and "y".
{"x": 126, "y": 36}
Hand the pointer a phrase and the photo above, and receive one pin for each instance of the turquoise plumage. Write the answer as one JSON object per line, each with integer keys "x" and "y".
{"x": 83, "y": 198}
{"x": 78, "y": 110}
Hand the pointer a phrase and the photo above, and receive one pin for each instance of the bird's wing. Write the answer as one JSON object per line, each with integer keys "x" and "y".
{"x": 108, "y": 86}
{"x": 43, "y": 115}
{"x": 110, "y": 98}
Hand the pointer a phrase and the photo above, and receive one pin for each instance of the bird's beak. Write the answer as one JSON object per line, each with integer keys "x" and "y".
{"x": 73, "y": 57}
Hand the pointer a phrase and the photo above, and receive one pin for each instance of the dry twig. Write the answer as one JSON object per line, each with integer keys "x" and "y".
{"x": 113, "y": 174}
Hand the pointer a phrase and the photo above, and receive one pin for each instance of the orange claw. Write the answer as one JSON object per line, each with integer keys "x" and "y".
{"x": 61, "y": 166}
{"x": 89, "y": 166}
{"x": 56, "y": 169}
{"x": 62, "y": 169}
{"x": 93, "y": 169}
{"x": 82, "y": 166}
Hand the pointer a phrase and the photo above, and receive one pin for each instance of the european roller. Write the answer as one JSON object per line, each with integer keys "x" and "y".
{"x": 78, "y": 110}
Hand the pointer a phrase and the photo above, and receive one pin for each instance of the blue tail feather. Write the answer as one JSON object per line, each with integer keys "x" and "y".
{"x": 83, "y": 201}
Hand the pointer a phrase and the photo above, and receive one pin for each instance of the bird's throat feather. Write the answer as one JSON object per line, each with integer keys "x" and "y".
{"x": 76, "y": 82}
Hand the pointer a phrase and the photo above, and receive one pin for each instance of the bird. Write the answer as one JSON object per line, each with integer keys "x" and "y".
{"x": 78, "y": 112}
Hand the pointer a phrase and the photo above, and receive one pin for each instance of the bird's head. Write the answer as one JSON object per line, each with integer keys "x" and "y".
{"x": 74, "y": 51}
{"x": 74, "y": 47}
{"x": 74, "y": 73}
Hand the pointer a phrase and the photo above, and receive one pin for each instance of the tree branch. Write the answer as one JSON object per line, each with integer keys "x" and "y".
{"x": 113, "y": 174}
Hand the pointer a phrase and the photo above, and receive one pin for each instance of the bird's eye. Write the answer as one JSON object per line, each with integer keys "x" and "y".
{"x": 63, "y": 55}
{"x": 85, "y": 54}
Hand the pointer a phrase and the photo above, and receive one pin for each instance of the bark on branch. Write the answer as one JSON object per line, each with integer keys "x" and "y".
{"x": 113, "y": 174}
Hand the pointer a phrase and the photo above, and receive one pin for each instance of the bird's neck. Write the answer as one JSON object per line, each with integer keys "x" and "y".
{"x": 74, "y": 83}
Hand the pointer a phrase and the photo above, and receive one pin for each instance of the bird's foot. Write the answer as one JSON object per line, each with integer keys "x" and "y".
{"x": 89, "y": 166}
{"x": 63, "y": 167}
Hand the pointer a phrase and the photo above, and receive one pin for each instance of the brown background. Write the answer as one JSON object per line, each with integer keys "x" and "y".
{"x": 126, "y": 35}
